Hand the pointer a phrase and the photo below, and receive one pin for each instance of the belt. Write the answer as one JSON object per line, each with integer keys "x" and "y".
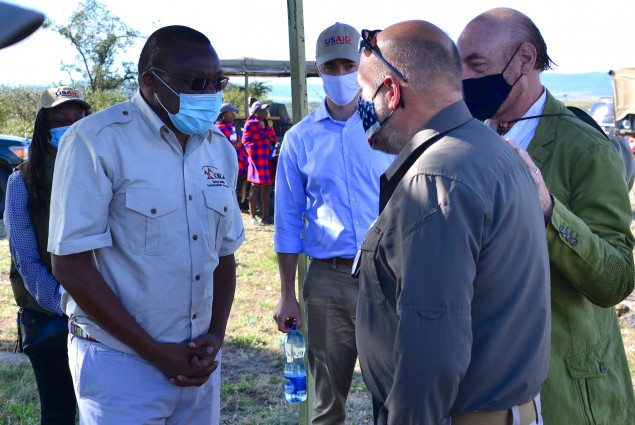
{"x": 527, "y": 413}
{"x": 75, "y": 330}
{"x": 335, "y": 261}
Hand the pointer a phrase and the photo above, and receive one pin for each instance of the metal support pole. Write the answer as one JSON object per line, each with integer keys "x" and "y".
{"x": 300, "y": 105}
{"x": 300, "y": 108}
{"x": 246, "y": 94}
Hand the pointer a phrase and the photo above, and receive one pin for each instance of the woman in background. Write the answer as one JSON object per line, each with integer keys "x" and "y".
{"x": 42, "y": 324}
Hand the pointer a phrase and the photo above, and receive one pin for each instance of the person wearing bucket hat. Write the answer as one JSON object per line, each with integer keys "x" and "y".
{"x": 258, "y": 138}
{"x": 36, "y": 290}
{"x": 328, "y": 178}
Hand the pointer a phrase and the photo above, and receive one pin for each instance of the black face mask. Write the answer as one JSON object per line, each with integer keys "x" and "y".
{"x": 485, "y": 95}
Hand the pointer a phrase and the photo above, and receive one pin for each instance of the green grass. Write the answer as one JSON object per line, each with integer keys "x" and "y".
{"x": 18, "y": 395}
{"x": 583, "y": 104}
{"x": 253, "y": 362}
{"x": 252, "y": 389}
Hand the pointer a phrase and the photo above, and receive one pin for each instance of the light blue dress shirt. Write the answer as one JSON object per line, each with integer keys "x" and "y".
{"x": 328, "y": 174}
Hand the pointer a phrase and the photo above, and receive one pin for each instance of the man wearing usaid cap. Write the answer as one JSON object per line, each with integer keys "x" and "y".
{"x": 327, "y": 175}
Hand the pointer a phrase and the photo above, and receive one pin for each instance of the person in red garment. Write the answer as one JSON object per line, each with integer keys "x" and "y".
{"x": 226, "y": 125}
{"x": 258, "y": 137}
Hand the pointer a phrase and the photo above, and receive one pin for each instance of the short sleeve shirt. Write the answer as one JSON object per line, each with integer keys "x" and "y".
{"x": 156, "y": 216}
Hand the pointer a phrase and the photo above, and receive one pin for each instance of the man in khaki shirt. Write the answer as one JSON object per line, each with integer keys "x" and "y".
{"x": 144, "y": 224}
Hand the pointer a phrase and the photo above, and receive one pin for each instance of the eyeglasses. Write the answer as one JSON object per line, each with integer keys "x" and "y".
{"x": 198, "y": 83}
{"x": 368, "y": 42}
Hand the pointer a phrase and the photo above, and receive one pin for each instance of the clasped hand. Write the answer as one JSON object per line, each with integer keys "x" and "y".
{"x": 188, "y": 365}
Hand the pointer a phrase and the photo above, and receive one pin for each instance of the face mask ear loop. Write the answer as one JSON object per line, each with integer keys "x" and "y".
{"x": 157, "y": 97}
{"x": 506, "y": 66}
{"x": 161, "y": 103}
{"x": 510, "y": 59}
{"x": 165, "y": 84}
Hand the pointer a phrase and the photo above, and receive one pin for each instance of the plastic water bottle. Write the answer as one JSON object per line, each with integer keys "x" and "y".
{"x": 294, "y": 370}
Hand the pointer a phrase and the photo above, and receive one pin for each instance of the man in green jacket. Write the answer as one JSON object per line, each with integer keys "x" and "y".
{"x": 582, "y": 186}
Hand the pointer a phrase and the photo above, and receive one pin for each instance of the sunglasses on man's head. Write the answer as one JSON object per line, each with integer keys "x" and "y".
{"x": 368, "y": 43}
{"x": 198, "y": 83}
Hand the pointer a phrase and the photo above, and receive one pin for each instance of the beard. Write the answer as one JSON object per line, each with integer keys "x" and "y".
{"x": 387, "y": 138}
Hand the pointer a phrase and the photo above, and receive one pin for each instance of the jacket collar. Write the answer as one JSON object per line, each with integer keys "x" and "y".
{"x": 449, "y": 118}
{"x": 541, "y": 145}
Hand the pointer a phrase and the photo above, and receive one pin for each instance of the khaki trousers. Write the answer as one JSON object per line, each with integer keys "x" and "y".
{"x": 330, "y": 302}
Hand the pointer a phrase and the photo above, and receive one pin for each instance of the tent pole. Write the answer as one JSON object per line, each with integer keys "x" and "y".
{"x": 300, "y": 109}
{"x": 246, "y": 95}
{"x": 300, "y": 105}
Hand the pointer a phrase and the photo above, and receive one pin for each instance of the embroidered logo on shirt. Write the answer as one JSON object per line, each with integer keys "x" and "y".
{"x": 217, "y": 178}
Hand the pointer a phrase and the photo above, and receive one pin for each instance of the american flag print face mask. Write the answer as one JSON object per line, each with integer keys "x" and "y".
{"x": 370, "y": 121}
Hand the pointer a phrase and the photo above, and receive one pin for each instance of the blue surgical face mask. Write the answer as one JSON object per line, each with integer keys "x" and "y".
{"x": 197, "y": 112}
{"x": 56, "y": 135}
{"x": 370, "y": 121}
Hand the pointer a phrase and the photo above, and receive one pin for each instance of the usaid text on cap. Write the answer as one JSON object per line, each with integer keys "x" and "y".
{"x": 340, "y": 39}
{"x": 66, "y": 92}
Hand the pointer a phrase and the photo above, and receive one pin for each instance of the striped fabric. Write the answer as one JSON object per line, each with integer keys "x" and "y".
{"x": 227, "y": 128}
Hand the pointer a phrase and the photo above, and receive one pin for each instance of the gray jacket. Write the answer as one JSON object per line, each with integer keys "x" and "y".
{"x": 453, "y": 314}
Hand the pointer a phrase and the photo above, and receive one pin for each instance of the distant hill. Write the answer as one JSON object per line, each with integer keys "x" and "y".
{"x": 590, "y": 85}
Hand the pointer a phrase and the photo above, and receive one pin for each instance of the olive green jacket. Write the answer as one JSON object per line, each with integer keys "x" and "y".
{"x": 591, "y": 259}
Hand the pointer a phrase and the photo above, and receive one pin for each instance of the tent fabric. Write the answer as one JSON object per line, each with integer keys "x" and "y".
{"x": 624, "y": 92}
{"x": 263, "y": 67}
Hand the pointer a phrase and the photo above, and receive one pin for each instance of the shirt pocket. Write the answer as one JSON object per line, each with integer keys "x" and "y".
{"x": 151, "y": 220}
{"x": 369, "y": 288}
{"x": 217, "y": 203}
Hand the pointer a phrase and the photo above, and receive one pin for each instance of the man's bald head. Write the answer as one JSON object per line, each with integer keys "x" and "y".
{"x": 503, "y": 42}
{"x": 422, "y": 52}
{"x": 513, "y": 28}
{"x": 430, "y": 63}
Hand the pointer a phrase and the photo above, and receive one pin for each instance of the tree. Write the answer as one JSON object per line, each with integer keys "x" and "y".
{"x": 17, "y": 106}
{"x": 98, "y": 37}
{"x": 17, "y": 109}
{"x": 235, "y": 94}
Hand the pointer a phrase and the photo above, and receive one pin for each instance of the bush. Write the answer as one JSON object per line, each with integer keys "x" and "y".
{"x": 18, "y": 104}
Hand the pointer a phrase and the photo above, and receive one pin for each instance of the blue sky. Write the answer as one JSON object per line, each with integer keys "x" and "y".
{"x": 582, "y": 35}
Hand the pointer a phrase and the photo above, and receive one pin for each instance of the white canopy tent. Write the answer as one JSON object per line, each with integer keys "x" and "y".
{"x": 251, "y": 67}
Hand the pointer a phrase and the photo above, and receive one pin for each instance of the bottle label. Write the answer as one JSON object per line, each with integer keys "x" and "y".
{"x": 295, "y": 384}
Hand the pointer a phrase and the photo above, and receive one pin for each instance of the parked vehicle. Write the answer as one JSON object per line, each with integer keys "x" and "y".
{"x": 13, "y": 151}
{"x": 624, "y": 95}
{"x": 603, "y": 112}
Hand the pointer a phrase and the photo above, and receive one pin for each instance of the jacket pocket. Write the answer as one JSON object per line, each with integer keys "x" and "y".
{"x": 599, "y": 382}
{"x": 217, "y": 202}
{"x": 369, "y": 287}
{"x": 151, "y": 220}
